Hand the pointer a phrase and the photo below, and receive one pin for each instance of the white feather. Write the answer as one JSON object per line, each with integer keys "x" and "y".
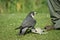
{"x": 39, "y": 31}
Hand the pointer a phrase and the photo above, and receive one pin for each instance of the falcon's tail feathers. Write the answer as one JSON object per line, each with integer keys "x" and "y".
{"x": 18, "y": 28}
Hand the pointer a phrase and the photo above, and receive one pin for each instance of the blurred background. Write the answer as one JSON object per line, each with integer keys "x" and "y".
{"x": 23, "y": 6}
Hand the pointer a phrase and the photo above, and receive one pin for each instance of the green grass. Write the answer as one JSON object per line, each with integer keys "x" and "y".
{"x": 8, "y": 22}
{"x": 11, "y": 19}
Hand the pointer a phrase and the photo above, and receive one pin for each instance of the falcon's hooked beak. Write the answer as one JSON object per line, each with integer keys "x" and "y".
{"x": 35, "y": 13}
